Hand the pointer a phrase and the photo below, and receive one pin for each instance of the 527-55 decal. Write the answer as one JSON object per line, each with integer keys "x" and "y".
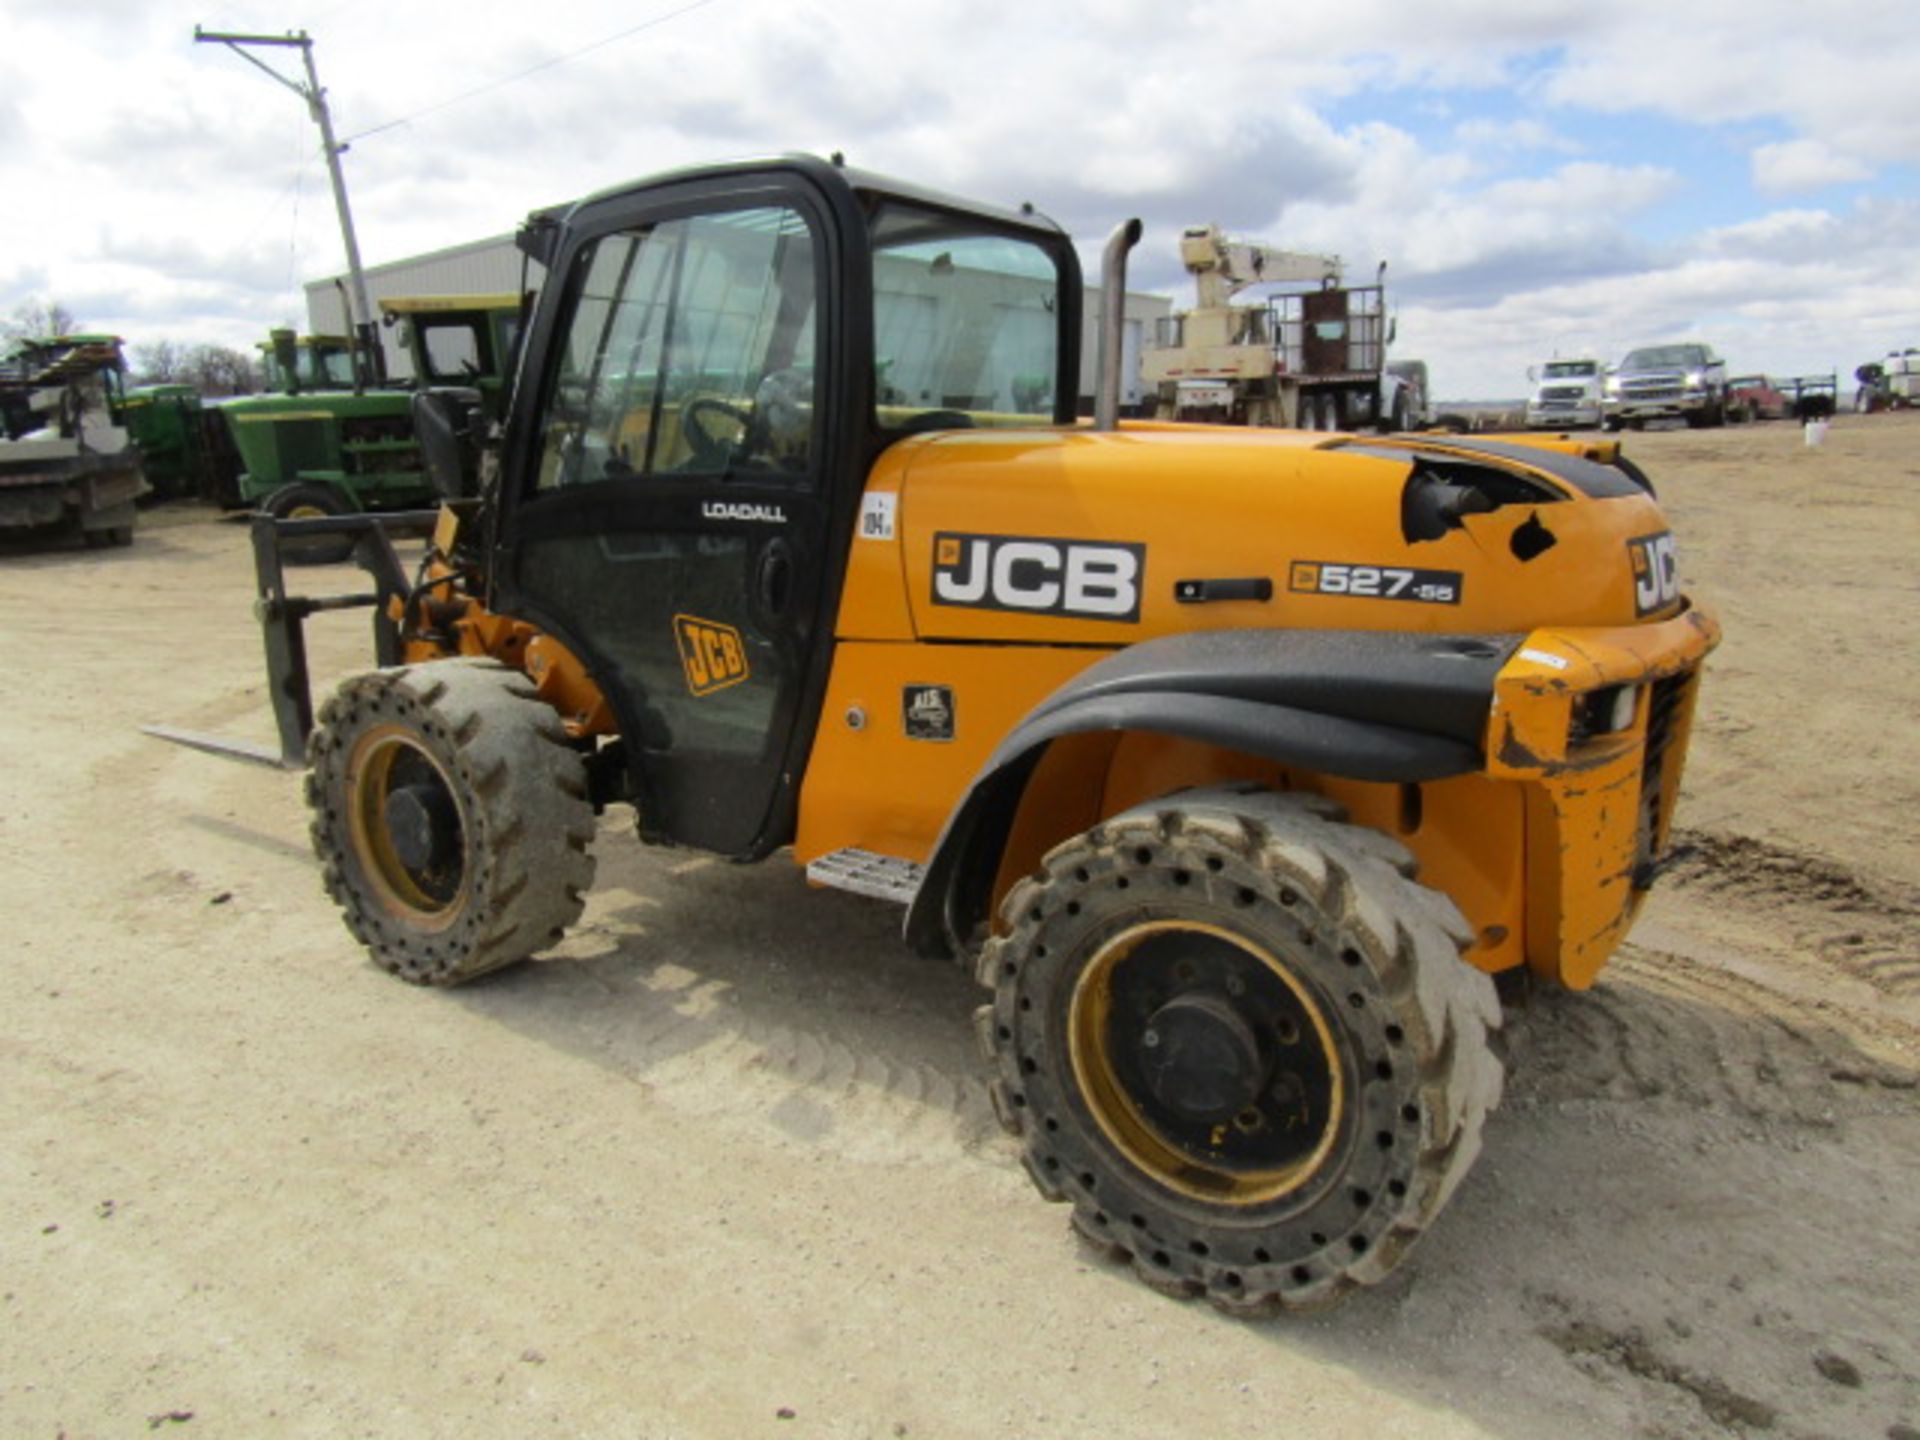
{"x": 1374, "y": 582}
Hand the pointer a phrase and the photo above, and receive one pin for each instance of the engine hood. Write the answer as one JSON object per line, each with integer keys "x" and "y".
{"x": 1109, "y": 538}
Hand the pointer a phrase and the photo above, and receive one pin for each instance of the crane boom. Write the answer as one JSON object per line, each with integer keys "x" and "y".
{"x": 1223, "y": 266}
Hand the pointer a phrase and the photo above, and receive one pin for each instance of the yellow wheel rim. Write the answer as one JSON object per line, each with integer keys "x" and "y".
{"x": 1271, "y": 1145}
{"x": 386, "y": 767}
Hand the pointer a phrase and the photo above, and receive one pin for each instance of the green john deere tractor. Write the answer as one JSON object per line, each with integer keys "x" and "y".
{"x": 326, "y": 443}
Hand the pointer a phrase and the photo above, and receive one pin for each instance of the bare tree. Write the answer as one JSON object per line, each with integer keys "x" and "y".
{"x": 219, "y": 370}
{"x": 161, "y": 362}
{"x": 38, "y": 319}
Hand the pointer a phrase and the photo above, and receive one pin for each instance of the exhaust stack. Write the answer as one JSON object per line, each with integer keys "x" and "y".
{"x": 1113, "y": 312}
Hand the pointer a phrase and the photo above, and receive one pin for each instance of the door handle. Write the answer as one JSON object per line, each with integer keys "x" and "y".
{"x": 773, "y": 577}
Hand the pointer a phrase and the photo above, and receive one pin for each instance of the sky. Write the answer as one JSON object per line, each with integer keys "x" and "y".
{"x": 1541, "y": 178}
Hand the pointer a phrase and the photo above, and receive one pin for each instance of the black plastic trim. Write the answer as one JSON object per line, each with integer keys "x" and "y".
{"x": 1363, "y": 705}
{"x": 1588, "y": 477}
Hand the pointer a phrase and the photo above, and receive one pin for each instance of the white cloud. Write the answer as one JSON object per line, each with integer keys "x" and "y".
{"x": 1841, "y": 72}
{"x": 1512, "y": 136}
{"x": 1793, "y": 165}
{"x": 192, "y": 202}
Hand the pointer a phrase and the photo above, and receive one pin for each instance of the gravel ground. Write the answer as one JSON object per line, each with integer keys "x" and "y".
{"x": 723, "y": 1165}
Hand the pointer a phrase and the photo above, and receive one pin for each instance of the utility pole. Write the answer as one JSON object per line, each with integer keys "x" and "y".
{"x": 372, "y": 365}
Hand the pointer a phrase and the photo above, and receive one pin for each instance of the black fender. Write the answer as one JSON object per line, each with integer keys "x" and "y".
{"x": 1364, "y": 705}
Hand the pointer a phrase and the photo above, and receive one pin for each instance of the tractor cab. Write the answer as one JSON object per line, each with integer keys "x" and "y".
{"x": 465, "y": 340}
{"x": 303, "y": 364}
{"x": 712, "y": 369}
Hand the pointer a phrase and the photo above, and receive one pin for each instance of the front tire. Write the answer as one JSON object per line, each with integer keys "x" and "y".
{"x": 450, "y": 813}
{"x": 1240, "y": 1041}
{"x": 310, "y": 500}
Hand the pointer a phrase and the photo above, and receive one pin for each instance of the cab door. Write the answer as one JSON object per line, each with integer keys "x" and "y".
{"x": 668, "y": 502}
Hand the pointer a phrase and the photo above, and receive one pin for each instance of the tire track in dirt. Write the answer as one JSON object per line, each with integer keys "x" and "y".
{"x": 1663, "y": 1028}
{"x": 795, "y": 1013}
{"x": 1868, "y": 928}
{"x": 1597, "y": 1348}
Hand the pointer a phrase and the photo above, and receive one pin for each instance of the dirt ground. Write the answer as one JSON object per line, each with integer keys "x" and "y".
{"x": 724, "y": 1165}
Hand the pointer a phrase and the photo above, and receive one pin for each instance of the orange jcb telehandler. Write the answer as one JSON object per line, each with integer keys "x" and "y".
{"x": 1235, "y": 762}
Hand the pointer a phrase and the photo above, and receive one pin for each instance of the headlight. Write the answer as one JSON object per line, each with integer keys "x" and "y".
{"x": 1602, "y": 712}
{"x": 1693, "y": 380}
{"x": 1613, "y": 385}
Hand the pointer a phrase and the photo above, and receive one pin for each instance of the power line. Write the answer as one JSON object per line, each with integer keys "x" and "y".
{"x": 530, "y": 70}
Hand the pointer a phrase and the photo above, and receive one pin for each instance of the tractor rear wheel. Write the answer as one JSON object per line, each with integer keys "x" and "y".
{"x": 450, "y": 813}
{"x": 1239, "y": 1039}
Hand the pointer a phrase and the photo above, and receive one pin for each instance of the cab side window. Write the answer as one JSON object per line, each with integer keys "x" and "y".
{"x": 690, "y": 351}
{"x": 966, "y": 323}
{"x": 452, "y": 349}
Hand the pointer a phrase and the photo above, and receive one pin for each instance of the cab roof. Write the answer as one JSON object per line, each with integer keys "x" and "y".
{"x": 443, "y": 304}
{"x": 830, "y": 174}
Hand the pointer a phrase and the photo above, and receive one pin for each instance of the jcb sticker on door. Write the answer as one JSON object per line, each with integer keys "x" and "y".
{"x": 1094, "y": 580}
{"x": 712, "y": 654}
{"x": 1656, "y": 572}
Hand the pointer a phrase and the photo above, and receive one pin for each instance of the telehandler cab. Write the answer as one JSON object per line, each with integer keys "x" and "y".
{"x": 1236, "y": 762}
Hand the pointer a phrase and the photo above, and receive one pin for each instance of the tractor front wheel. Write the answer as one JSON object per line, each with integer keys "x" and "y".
{"x": 1239, "y": 1039}
{"x": 450, "y": 813}
{"x": 310, "y": 500}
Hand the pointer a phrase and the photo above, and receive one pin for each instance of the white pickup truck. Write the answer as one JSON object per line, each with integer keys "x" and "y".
{"x": 1566, "y": 394}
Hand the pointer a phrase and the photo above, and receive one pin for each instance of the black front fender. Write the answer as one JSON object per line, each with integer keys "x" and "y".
{"x": 1364, "y": 705}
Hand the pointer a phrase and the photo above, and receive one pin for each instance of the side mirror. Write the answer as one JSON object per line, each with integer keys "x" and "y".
{"x": 447, "y": 423}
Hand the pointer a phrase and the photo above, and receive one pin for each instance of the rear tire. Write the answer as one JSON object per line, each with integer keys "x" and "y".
{"x": 310, "y": 500}
{"x": 1239, "y": 1040}
{"x": 450, "y": 813}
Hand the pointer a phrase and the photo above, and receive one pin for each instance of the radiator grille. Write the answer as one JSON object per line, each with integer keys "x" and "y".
{"x": 1664, "y": 705}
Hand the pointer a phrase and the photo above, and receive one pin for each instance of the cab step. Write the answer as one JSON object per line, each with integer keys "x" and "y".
{"x": 864, "y": 872}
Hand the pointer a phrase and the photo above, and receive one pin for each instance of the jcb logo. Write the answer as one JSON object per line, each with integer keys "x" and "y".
{"x": 711, "y": 653}
{"x": 1055, "y": 577}
{"x": 1656, "y": 572}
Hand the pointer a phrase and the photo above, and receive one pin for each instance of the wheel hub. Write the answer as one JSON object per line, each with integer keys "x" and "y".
{"x": 1201, "y": 1058}
{"x": 1206, "y": 1061}
{"x": 423, "y": 825}
{"x": 407, "y": 824}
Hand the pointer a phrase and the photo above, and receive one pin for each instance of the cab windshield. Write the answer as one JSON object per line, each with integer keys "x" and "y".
{"x": 319, "y": 367}
{"x": 1570, "y": 369}
{"x": 966, "y": 322}
{"x": 328, "y": 367}
{"x": 1662, "y": 357}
